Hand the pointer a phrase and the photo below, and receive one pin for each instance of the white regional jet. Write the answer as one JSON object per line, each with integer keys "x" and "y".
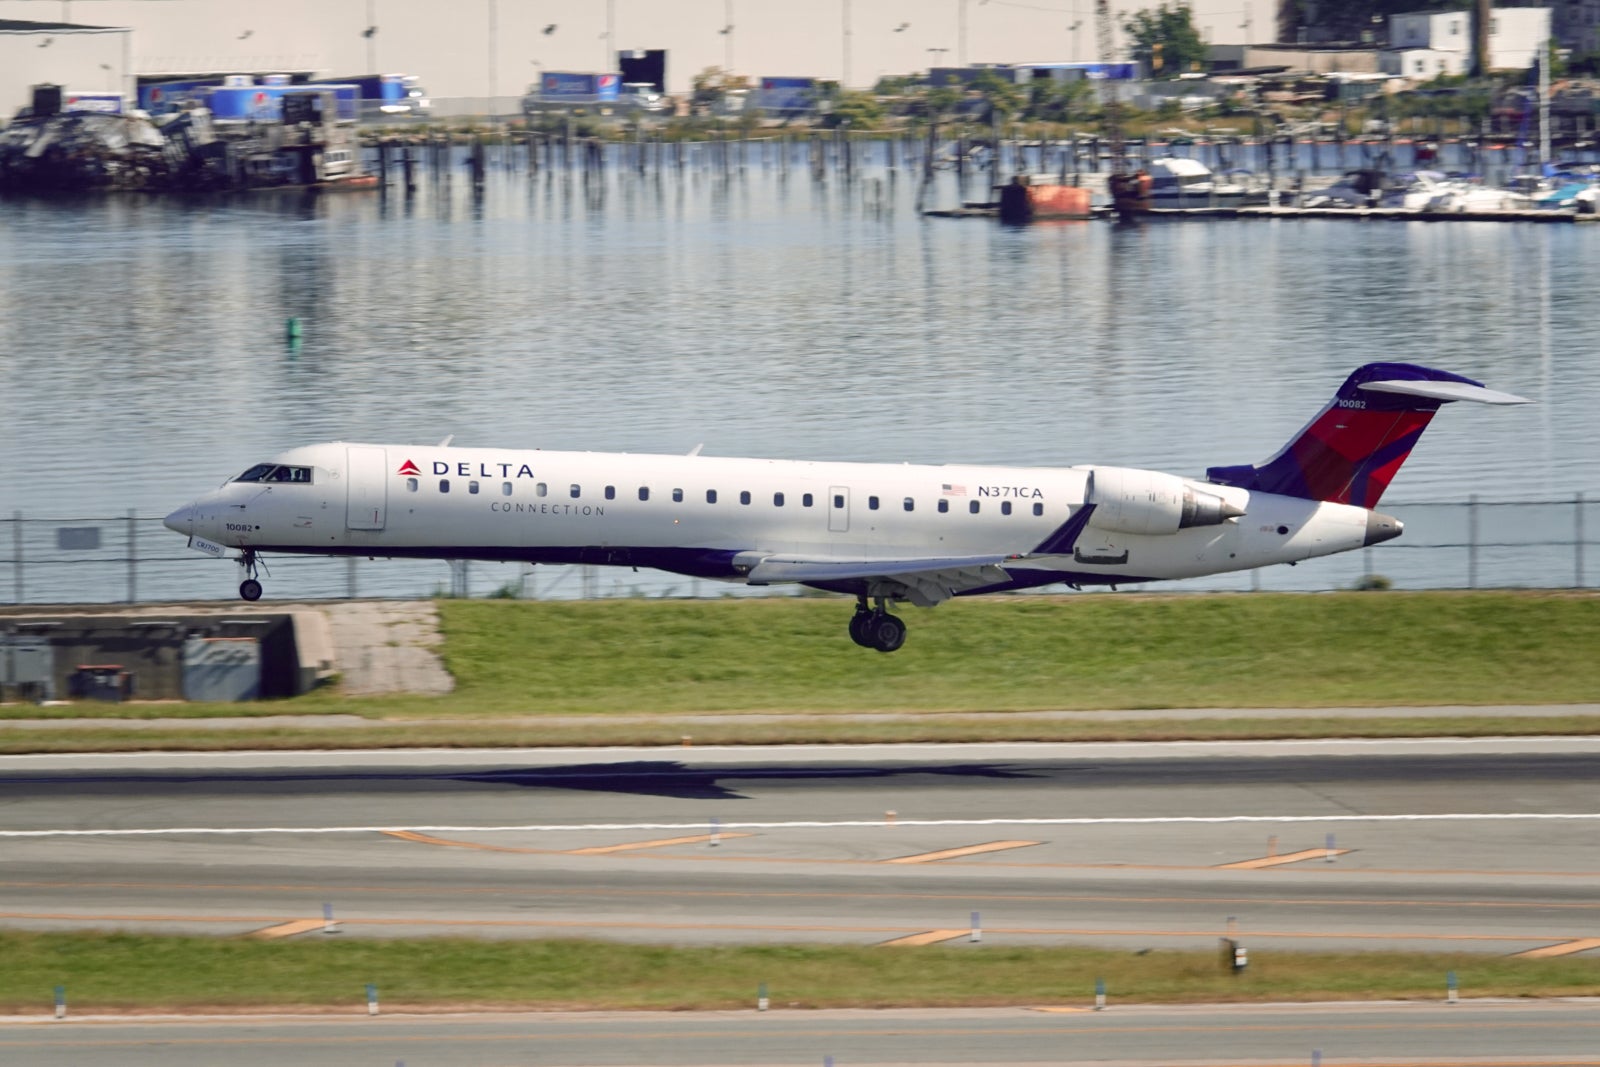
{"x": 880, "y": 532}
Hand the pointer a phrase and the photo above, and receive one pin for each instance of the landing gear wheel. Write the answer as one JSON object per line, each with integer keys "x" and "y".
{"x": 859, "y": 624}
{"x": 250, "y": 589}
{"x": 886, "y": 632}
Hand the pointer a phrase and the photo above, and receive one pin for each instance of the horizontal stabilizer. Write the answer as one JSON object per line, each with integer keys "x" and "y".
{"x": 1445, "y": 391}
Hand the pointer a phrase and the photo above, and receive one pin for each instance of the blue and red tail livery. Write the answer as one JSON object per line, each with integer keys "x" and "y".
{"x": 1352, "y": 450}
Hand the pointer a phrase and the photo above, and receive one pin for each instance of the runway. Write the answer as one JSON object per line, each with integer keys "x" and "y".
{"x": 1546, "y": 1034}
{"x": 1481, "y": 845}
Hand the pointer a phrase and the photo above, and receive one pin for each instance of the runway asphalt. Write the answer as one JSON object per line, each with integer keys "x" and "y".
{"x": 1483, "y": 845}
{"x": 1487, "y": 1034}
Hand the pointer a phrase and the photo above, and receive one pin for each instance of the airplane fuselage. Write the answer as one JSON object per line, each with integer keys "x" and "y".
{"x": 715, "y": 517}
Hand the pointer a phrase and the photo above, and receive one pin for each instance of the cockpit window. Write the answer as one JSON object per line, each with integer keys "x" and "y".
{"x": 276, "y": 472}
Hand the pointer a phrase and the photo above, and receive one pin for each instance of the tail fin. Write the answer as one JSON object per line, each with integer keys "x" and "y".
{"x": 1350, "y": 452}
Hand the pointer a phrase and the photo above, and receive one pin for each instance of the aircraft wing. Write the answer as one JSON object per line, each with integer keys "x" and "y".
{"x": 923, "y": 581}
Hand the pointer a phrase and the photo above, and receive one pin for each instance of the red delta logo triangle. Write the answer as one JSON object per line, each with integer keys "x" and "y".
{"x": 409, "y": 467}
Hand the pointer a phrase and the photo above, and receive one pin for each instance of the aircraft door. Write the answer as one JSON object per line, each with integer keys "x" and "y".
{"x": 839, "y": 509}
{"x": 366, "y": 487}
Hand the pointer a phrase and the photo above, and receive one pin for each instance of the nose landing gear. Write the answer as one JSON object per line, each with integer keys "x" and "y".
{"x": 249, "y": 589}
{"x": 876, "y": 628}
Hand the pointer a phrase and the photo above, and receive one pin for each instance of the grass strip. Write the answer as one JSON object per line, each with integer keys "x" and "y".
{"x": 140, "y": 972}
{"x": 1023, "y": 653}
{"x": 735, "y": 731}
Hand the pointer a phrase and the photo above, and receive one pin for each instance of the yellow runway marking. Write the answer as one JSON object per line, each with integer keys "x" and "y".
{"x": 1277, "y": 861}
{"x": 288, "y": 929}
{"x": 969, "y": 850}
{"x": 1566, "y": 948}
{"x": 932, "y": 937}
{"x": 426, "y": 839}
{"x": 631, "y": 846}
{"x": 601, "y": 850}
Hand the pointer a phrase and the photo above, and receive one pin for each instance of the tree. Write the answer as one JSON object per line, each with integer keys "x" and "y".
{"x": 858, "y": 109}
{"x": 1165, "y": 39}
{"x": 710, "y": 86}
{"x": 1002, "y": 96}
{"x": 1053, "y": 101}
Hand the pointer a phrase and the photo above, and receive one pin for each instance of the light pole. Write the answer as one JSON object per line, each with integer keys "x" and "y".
{"x": 844, "y": 38}
{"x": 611, "y": 36}
{"x": 938, "y": 58}
{"x": 494, "y": 76}
{"x": 961, "y": 31}
{"x": 727, "y": 32}
{"x": 371, "y": 34}
{"x": 1073, "y": 29}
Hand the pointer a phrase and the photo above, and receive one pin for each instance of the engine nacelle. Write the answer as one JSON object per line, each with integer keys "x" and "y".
{"x": 1149, "y": 502}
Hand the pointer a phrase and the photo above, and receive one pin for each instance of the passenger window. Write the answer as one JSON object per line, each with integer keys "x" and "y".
{"x": 611, "y": 492}
{"x": 541, "y": 489}
{"x": 1005, "y": 507}
{"x": 472, "y": 486}
{"x": 744, "y": 497}
{"x": 777, "y": 500}
{"x": 644, "y": 492}
{"x": 677, "y": 496}
{"x": 505, "y": 488}
{"x": 838, "y": 500}
{"x": 972, "y": 506}
{"x": 944, "y": 506}
{"x": 444, "y": 485}
{"x": 806, "y": 500}
{"x": 411, "y": 485}
{"x": 872, "y": 503}
{"x": 711, "y": 496}
{"x": 575, "y": 490}
{"x": 911, "y": 505}
{"x": 1038, "y": 509}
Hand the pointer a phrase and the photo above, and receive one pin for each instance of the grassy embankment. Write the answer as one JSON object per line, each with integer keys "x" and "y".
{"x": 129, "y": 972}
{"x": 634, "y": 669}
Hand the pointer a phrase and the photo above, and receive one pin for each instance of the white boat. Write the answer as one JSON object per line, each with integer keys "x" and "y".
{"x": 1178, "y": 182}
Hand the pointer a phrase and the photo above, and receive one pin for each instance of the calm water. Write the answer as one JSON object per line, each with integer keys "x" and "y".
{"x": 142, "y": 353}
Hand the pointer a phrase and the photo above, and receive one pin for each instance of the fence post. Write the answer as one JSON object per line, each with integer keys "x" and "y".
{"x": 1472, "y": 541}
{"x": 1577, "y": 539}
{"x": 133, "y": 556}
{"x": 16, "y": 552}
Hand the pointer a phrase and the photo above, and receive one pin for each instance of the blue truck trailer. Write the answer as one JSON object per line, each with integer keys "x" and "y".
{"x": 388, "y": 94}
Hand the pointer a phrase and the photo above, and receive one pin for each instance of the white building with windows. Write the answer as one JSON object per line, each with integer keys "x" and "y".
{"x": 1426, "y": 44}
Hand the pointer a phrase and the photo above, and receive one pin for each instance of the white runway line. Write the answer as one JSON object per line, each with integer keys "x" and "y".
{"x": 1154, "y": 820}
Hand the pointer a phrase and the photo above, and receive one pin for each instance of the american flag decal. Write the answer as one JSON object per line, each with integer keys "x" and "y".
{"x": 954, "y": 490}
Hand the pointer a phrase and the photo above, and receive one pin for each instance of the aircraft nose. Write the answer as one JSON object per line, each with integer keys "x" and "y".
{"x": 1381, "y": 528}
{"x": 181, "y": 521}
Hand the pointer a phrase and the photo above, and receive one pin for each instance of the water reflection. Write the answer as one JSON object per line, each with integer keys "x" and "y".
{"x": 762, "y": 313}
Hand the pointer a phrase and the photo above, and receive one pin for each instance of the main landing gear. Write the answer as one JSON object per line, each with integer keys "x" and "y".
{"x": 249, "y": 589}
{"x": 876, "y": 628}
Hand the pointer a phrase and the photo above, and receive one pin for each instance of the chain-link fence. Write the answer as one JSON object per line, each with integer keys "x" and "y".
{"x": 1539, "y": 544}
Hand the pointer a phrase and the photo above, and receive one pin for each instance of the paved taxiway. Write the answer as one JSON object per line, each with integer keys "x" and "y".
{"x": 1546, "y": 1034}
{"x": 1477, "y": 845}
